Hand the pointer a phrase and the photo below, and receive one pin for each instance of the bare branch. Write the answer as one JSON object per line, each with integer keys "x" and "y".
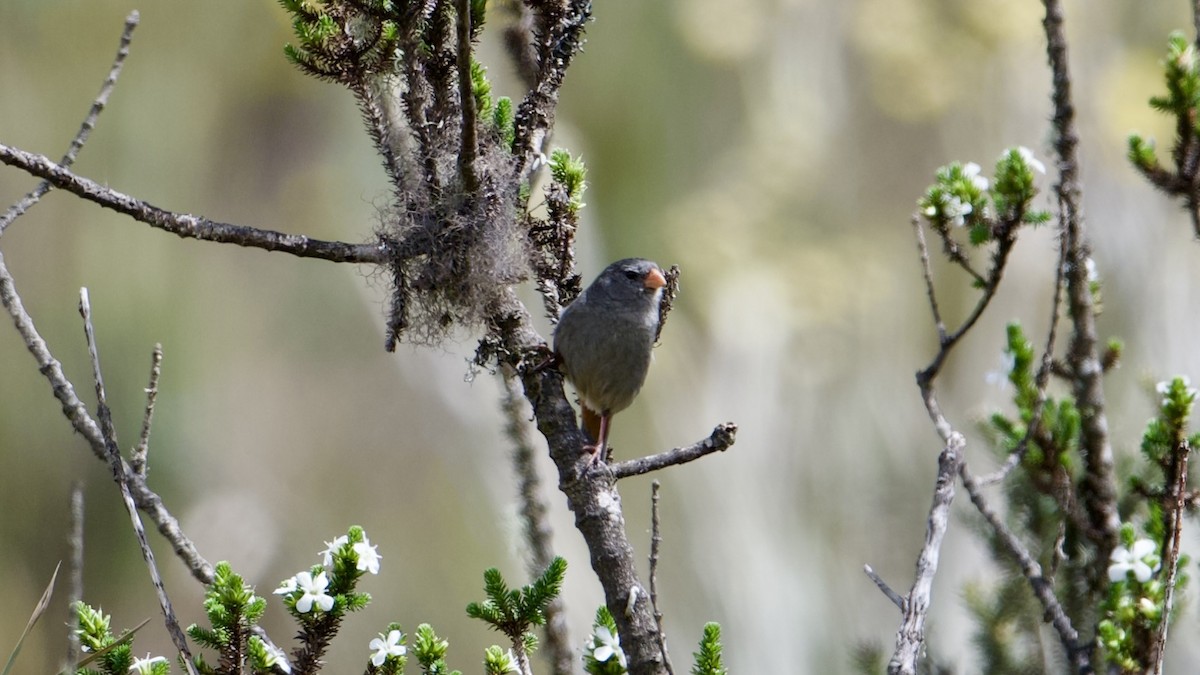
{"x": 884, "y": 587}
{"x": 188, "y": 226}
{"x": 1043, "y": 588}
{"x": 137, "y": 458}
{"x": 915, "y": 606}
{"x": 85, "y": 130}
{"x": 721, "y": 439}
{"x": 77, "y": 414}
{"x": 119, "y": 475}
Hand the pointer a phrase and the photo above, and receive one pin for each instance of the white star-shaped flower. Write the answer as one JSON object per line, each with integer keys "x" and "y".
{"x": 145, "y": 666}
{"x": 313, "y": 590}
{"x": 606, "y": 644}
{"x": 368, "y": 558}
{"x": 331, "y": 549}
{"x": 385, "y": 646}
{"x": 1133, "y": 559}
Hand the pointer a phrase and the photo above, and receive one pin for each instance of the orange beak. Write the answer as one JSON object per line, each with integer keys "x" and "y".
{"x": 655, "y": 280}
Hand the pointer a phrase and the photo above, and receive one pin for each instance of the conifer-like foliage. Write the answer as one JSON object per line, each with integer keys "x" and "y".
{"x": 707, "y": 660}
{"x": 232, "y": 609}
{"x": 515, "y": 611}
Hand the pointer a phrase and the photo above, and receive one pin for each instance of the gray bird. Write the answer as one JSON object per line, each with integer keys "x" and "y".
{"x": 603, "y": 342}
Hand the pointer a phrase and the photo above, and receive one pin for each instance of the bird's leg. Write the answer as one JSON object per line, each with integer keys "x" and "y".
{"x": 595, "y": 427}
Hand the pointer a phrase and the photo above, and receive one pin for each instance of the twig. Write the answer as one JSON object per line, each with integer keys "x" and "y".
{"x": 85, "y": 130}
{"x": 119, "y": 475}
{"x": 468, "y": 141}
{"x": 1099, "y": 485}
{"x": 1043, "y": 588}
{"x": 884, "y": 588}
{"x": 927, "y": 274}
{"x": 538, "y": 534}
{"x": 721, "y": 439}
{"x": 655, "y": 543}
{"x": 137, "y": 458}
{"x": 74, "y": 575}
{"x": 915, "y": 606}
{"x": 188, "y": 226}
{"x": 76, "y": 413}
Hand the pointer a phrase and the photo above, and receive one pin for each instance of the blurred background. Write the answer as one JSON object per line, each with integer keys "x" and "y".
{"x": 774, "y": 149}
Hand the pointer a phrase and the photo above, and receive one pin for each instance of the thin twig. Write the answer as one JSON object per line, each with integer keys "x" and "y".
{"x": 910, "y": 638}
{"x": 883, "y": 586}
{"x": 538, "y": 533}
{"x": 85, "y": 130}
{"x": 76, "y": 413}
{"x": 655, "y": 544}
{"x": 186, "y": 225}
{"x": 721, "y": 439}
{"x": 137, "y": 458}
{"x": 468, "y": 141}
{"x": 74, "y": 575}
{"x": 1043, "y": 588}
{"x": 927, "y": 273}
{"x": 119, "y": 475}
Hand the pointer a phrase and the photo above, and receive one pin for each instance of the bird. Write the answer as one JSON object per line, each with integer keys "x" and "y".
{"x": 603, "y": 342}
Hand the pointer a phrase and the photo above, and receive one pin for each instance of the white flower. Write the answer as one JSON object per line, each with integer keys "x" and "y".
{"x": 955, "y": 210}
{"x": 314, "y": 592}
{"x": 368, "y": 559}
{"x": 146, "y": 666}
{"x": 1033, "y": 162}
{"x": 385, "y": 646}
{"x": 1133, "y": 559}
{"x": 286, "y": 587}
{"x": 276, "y": 659}
{"x": 331, "y": 549}
{"x": 605, "y": 644}
{"x": 1090, "y": 266}
{"x": 971, "y": 173}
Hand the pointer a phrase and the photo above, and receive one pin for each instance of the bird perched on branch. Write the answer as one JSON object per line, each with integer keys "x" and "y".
{"x": 603, "y": 342}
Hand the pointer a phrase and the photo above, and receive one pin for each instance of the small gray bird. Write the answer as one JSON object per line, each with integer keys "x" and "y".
{"x": 603, "y": 342}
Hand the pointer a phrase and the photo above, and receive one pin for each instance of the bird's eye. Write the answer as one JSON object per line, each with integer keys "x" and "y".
{"x": 632, "y": 275}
